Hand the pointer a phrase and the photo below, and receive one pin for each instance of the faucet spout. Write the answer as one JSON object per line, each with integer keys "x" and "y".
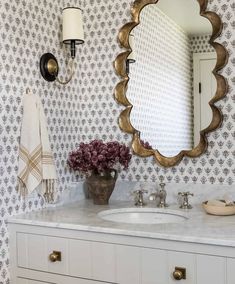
{"x": 153, "y": 196}
{"x": 159, "y": 196}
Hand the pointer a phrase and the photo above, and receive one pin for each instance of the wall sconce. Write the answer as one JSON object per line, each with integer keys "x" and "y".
{"x": 73, "y": 34}
{"x": 131, "y": 56}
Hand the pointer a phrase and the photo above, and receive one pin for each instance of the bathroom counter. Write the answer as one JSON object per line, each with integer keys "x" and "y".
{"x": 199, "y": 228}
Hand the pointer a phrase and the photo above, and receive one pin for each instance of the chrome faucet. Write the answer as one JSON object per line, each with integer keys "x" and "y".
{"x": 160, "y": 196}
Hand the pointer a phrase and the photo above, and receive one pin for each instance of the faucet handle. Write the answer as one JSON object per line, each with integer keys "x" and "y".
{"x": 140, "y": 191}
{"x": 139, "y": 197}
{"x": 186, "y": 193}
{"x": 185, "y": 204}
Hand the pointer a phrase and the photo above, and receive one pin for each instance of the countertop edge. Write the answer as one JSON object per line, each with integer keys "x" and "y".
{"x": 124, "y": 232}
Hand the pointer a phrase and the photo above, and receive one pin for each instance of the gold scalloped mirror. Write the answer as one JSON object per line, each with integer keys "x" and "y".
{"x": 170, "y": 81}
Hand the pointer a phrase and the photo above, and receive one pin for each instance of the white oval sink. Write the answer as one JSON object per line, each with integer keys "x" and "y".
{"x": 143, "y": 216}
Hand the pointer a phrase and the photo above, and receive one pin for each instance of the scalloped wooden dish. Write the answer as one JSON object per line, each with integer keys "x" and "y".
{"x": 219, "y": 210}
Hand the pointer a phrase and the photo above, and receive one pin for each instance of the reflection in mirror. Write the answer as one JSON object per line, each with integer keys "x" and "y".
{"x": 171, "y": 79}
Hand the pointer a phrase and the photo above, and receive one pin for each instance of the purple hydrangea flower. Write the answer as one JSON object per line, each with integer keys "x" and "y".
{"x": 98, "y": 156}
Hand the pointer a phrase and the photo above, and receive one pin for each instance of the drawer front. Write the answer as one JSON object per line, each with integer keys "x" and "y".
{"x": 154, "y": 266}
{"x": 211, "y": 270}
{"x": 34, "y": 251}
{"x": 128, "y": 265}
{"x": 92, "y": 260}
{"x": 230, "y": 270}
{"x": 79, "y": 258}
{"x": 97, "y": 262}
{"x": 62, "y": 281}
{"x": 28, "y": 281}
{"x": 182, "y": 260}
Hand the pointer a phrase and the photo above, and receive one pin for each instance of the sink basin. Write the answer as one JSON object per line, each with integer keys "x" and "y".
{"x": 143, "y": 216}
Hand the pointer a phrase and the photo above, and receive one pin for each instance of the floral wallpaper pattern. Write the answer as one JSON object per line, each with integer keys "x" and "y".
{"x": 200, "y": 43}
{"x": 85, "y": 109}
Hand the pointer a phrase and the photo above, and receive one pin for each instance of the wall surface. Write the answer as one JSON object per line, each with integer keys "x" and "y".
{"x": 200, "y": 44}
{"x": 85, "y": 109}
{"x": 27, "y": 30}
{"x": 216, "y": 166}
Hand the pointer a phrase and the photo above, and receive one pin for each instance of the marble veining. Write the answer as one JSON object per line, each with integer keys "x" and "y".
{"x": 199, "y": 228}
{"x": 123, "y": 191}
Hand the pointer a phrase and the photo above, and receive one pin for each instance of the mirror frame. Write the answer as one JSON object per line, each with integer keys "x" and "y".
{"x": 122, "y": 86}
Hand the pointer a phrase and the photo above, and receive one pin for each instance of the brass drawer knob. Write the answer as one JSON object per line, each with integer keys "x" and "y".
{"x": 55, "y": 256}
{"x": 179, "y": 273}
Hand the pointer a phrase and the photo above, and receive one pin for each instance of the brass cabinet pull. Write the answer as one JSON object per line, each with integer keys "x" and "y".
{"x": 179, "y": 273}
{"x": 55, "y": 256}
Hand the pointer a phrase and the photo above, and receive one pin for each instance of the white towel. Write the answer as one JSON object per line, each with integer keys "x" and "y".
{"x": 36, "y": 165}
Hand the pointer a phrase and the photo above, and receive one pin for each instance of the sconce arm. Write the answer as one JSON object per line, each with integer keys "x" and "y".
{"x": 49, "y": 68}
{"x": 70, "y": 76}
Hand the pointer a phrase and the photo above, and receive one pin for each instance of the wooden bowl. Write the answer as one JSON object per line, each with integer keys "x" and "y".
{"x": 219, "y": 210}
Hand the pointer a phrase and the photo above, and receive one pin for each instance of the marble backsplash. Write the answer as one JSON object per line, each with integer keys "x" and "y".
{"x": 124, "y": 192}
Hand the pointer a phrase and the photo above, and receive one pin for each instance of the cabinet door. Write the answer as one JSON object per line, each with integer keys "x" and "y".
{"x": 211, "y": 270}
{"x": 182, "y": 260}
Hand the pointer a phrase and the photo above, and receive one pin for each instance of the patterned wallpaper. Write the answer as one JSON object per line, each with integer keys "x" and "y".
{"x": 85, "y": 109}
{"x": 160, "y": 83}
{"x": 200, "y": 43}
{"x": 27, "y": 30}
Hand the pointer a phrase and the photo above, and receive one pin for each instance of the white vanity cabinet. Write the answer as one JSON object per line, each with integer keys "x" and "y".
{"x": 48, "y": 255}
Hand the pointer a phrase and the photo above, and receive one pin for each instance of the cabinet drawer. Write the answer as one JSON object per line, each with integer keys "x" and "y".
{"x": 62, "y": 281}
{"x": 182, "y": 260}
{"x": 33, "y": 252}
{"x": 29, "y": 281}
{"x": 211, "y": 270}
{"x": 79, "y": 258}
{"x": 153, "y": 266}
{"x": 230, "y": 270}
{"x": 88, "y": 262}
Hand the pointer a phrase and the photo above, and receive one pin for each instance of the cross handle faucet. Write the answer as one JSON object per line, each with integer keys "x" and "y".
{"x": 139, "y": 197}
{"x": 185, "y": 204}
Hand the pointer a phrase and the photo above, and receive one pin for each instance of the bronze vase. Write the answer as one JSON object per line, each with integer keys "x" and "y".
{"x": 101, "y": 185}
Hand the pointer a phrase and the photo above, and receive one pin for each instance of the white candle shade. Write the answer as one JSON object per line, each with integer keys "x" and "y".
{"x": 72, "y": 25}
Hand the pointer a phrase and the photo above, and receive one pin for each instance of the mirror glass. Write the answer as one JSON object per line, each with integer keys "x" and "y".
{"x": 171, "y": 80}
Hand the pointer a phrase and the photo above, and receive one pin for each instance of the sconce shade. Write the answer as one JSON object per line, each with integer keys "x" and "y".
{"x": 131, "y": 57}
{"x": 72, "y": 25}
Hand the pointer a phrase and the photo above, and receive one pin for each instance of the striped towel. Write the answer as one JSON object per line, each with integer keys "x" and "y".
{"x": 36, "y": 165}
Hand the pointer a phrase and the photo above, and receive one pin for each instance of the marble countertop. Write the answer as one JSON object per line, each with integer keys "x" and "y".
{"x": 199, "y": 228}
